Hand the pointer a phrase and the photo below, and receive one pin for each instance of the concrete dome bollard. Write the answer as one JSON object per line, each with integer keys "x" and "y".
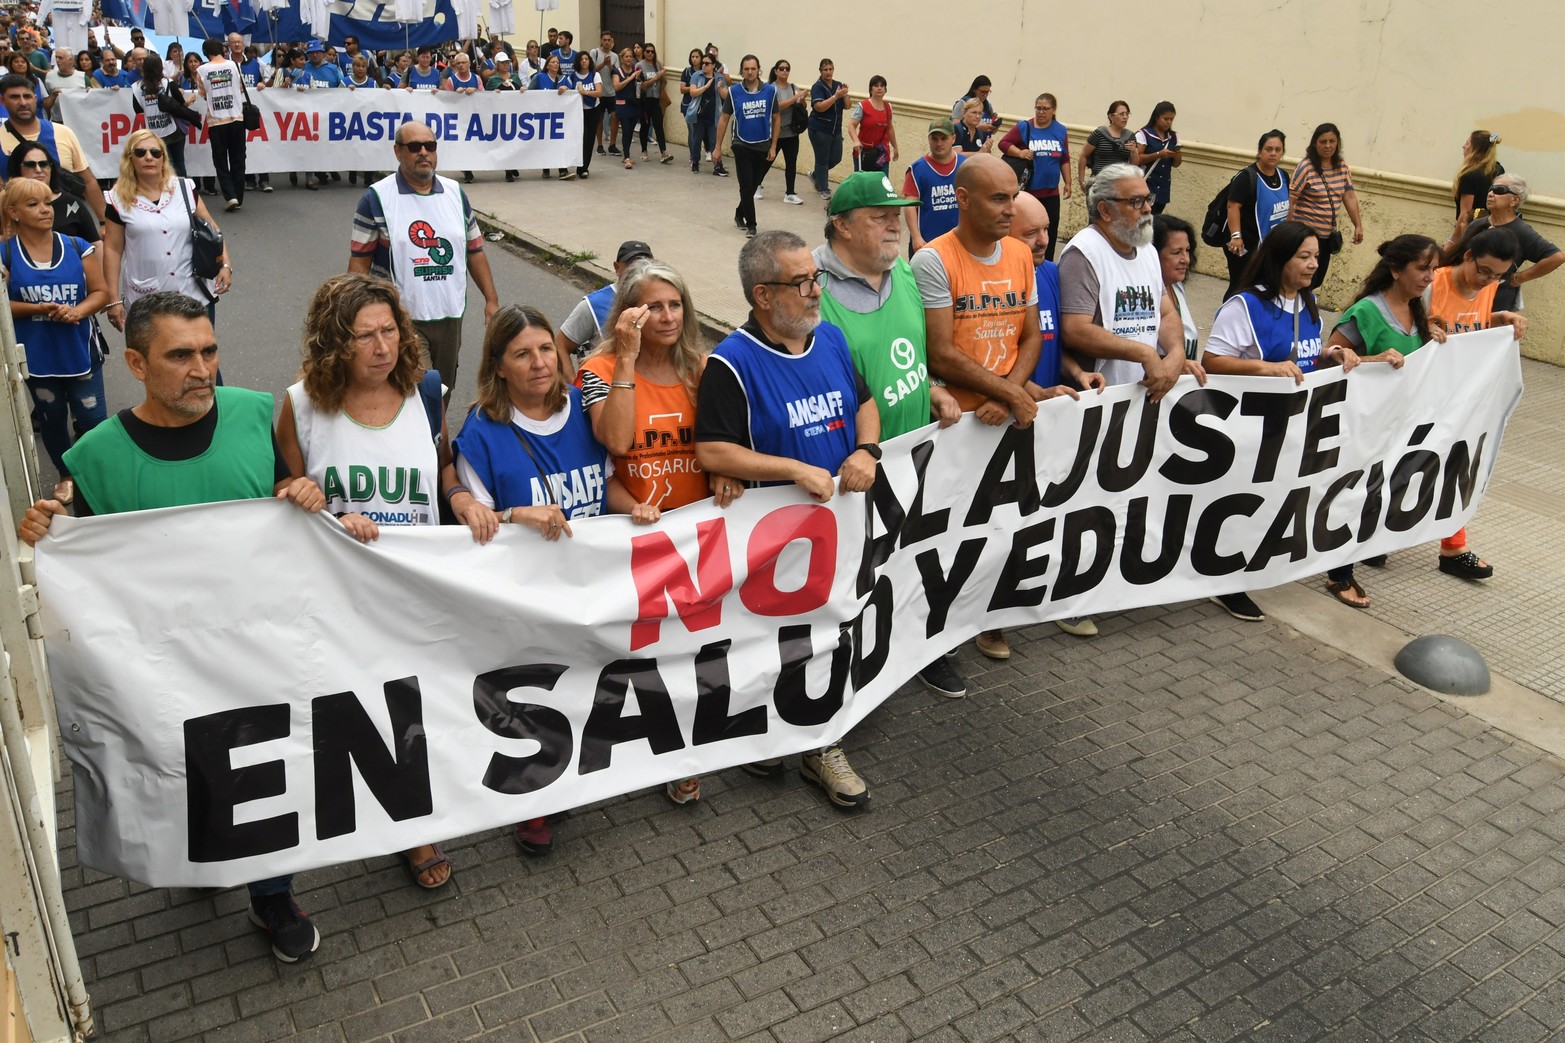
{"x": 1444, "y": 663}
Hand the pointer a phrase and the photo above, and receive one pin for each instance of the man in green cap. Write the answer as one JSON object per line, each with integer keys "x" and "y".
{"x": 870, "y": 294}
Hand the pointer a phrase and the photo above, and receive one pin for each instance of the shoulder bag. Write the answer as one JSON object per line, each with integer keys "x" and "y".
{"x": 206, "y": 242}
{"x": 247, "y": 108}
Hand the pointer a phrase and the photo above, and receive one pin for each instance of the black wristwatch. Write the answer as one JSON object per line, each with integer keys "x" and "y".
{"x": 869, "y": 447}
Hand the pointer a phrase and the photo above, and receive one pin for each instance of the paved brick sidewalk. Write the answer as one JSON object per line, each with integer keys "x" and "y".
{"x": 1189, "y": 828}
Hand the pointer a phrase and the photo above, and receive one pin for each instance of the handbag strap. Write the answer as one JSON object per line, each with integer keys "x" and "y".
{"x": 1293, "y": 348}
{"x": 543, "y": 477}
{"x": 1321, "y": 174}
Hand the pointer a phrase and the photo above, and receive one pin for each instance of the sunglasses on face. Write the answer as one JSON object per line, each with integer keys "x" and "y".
{"x": 421, "y": 146}
{"x": 143, "y": 153}
{"x": 1502, "y": 190}
{"x": 36, "y": 164}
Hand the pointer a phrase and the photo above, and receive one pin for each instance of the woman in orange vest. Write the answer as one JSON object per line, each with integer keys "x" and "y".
{"x": 639, "y": 390}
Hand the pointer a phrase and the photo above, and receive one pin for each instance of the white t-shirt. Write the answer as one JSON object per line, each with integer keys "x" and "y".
{"x": 224, "y": 91}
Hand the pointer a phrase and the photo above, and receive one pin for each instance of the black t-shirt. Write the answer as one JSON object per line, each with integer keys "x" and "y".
{"x": 1242, "y": 191}
{"x": 723, "y": 412}
{"x": 72, "y": 216}
{"x": 177, "y": 443}
{"x": 1475, "y": 183}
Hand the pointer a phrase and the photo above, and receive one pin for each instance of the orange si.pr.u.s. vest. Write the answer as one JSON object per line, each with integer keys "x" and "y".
{"x": 989, "y": 303}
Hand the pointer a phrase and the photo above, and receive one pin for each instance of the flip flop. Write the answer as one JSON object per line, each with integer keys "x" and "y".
{"x": 416, "y": 872}
{"x": 1338, "y": 590}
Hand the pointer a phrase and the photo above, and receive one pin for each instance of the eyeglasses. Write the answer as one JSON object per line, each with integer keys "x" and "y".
{"x": 1491, "y": 276}
{"x": 421, "y": 146}
{"x": 39, "y": 164}
{"x": 1503, "y": 190}
{"x": 143, "y": 153}
{"x": 1135, "y": 202}
{"x": 804, "y": 285}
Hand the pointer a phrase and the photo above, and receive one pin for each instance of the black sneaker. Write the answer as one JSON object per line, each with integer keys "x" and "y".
{"x": 293, "y": 935}
{"x": 720, "y": 171}
{"x": 613, "y": 150}
{"x": 1241, "y": 607}
{"x": 939, "y": 677}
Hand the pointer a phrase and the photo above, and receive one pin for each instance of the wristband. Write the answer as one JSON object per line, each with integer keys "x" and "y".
{"x": 622, "y": 384}
{"x": 457, "y": 488}
{"x": 1236, "y": 235}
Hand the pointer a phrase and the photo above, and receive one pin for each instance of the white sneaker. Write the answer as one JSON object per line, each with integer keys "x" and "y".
{"x": 760, "y": 193}
{"x": 791, "y": 198}
{"x": 829, "y": 769}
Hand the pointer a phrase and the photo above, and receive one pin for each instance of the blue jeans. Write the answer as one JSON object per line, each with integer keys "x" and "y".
{"x": 828, "y": 153}
{"x": 703, "y": 136}
{"x": 277, "y": 885}
{"x": 59, "y": 400}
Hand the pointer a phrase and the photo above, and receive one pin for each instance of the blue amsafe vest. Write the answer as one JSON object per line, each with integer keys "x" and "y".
{"x": 803, "y": 407}
{"x": 1274, "y": 332}
{"x": 753, "y": 113}
{"x": 572, "y": 460}
{"x": 1050, "y": 363}
{"x": 601, "y": 301}
{"x": 937, "y": 212}
{"x": 54, "y": 349}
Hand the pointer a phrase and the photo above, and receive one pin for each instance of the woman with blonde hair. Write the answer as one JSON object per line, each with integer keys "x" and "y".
{"x": 639, "y": 389}
{"x": 56, "y": 285}
{"x": 1470, "y": 187}
{"x": 147, "y": 242}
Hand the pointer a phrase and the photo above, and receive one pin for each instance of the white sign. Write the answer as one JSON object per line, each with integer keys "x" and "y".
{"x": 343, "y": 129}
{"x": 246, "y": 691}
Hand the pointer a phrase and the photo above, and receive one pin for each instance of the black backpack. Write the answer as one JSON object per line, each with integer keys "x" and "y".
{"x": 1214, "y": 228}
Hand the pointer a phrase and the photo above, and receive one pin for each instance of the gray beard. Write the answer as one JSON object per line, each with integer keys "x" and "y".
{"x": 1137, "y": 233}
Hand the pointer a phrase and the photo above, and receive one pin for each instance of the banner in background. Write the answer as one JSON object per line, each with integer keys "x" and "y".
{"x": 247, "y": 691}
{"x": 353, "y": 129}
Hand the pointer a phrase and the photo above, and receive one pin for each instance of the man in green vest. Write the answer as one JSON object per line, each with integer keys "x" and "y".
{"x": 870, "y": 295}
{"x": 189, "y": 441}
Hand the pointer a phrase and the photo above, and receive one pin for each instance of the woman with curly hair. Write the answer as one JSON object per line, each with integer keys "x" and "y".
{"x": 365, "y": 423}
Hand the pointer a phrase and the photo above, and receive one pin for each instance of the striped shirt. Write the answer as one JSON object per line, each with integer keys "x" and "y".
{"x": 1309, "y": 192}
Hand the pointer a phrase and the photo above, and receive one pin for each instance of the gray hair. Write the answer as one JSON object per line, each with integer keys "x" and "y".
{"x": 140, "y": 319}
{"x": 758, "y": 260}
{"x": 1519, "y": 187}
{"x": 687, "y": 354}
{"x": 1101, "y": 189}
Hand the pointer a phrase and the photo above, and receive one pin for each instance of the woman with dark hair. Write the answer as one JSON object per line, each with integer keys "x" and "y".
{"x": 701, "y": 109}
{"x": 1480, "y": 166}
{"x": 585, "y": 78}
{"x": 527, "y": 452}
{"x": 872, "y": 131}
{"x": 85, "y": 65}
{"x": 1504, "y": 202}
{"x": 56, "y": 285}
{"x": 979, "y": 89}
{"x": 72, "y": 216}
{"x": 1175, "y": 240}
{"x": 167, "y": 111}
{"x": 828, "y": 105}
{"x": 364, "y": 399}
{"x": 1320, "y": 186}
{"x": 1044, "y": 142}
{"x": 1386, "y": 322}
{"x": 1156, "y": 147}
{"x": 1108, "y": 144}
{"x": 757, "y": 123}
{"x": 554, "y": 78}
{"x": 1257, "y": 203}
{"x": 652, "y": 103}
{"x": 788, "y": 96}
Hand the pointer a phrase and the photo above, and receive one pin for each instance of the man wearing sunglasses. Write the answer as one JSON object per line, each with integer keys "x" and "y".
{"x": 418, "y": 229}
{"x": 21, "y": 102}
{"x": 781, "y": 403}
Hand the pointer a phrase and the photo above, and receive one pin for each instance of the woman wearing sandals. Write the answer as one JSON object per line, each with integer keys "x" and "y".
{"x": 364, "y": 399}
{"x": 1386, "y": 321}
{"x": 1272, "y": 328}
{"x": 639, "y": 390}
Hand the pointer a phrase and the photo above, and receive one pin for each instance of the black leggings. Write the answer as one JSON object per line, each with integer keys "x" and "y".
{"x": 751, "y": 165}
{"x": 1236, "y": 267}
{"x": 652, "y": 119}
{"x": 1325, "y": 263}
{"x": 788, "y": 148}
{"x": 590, "y": 121}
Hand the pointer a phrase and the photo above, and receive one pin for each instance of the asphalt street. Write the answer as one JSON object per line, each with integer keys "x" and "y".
{"x": 283, "y": 246}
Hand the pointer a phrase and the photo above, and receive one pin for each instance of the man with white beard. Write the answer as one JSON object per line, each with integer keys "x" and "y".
{"x": 1112, "y": 305}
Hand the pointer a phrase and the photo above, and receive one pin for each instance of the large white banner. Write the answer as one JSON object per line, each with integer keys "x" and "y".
{"x": 246, "y": 691}
{"x": 353, "y": 130}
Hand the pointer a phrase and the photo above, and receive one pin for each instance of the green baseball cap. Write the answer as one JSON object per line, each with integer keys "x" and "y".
{"x": 943, "y": 126}
{"x": 866, "y": 188}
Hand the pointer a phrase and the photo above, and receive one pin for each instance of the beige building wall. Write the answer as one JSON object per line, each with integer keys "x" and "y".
{"x": 1405, "y": 80}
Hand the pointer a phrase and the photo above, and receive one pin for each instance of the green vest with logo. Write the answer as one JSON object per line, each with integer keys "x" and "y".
{"x": 115, "y": 475}
{"x": 889, "y": 351}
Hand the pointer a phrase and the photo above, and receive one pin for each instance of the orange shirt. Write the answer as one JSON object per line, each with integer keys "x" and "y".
{"x": 988, "y": 306}
{"x": 1460, "y": 314}
{"x": 661, "y": 467}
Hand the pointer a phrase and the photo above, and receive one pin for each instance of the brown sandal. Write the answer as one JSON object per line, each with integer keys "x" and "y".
{"x": 1338, "y": 589}
{"x": 417, "y": 871}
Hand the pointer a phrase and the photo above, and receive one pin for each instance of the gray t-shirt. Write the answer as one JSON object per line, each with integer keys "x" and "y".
{"x": 651, "y": 82}
{"x": 848, "y": 288}
{"x": 934, "y": 285}
{"x": 581, "y": 328}
{"x": 783, "y": 94}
